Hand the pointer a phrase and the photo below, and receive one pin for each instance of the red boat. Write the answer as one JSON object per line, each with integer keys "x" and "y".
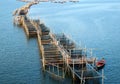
{"x": 100, "y": 64}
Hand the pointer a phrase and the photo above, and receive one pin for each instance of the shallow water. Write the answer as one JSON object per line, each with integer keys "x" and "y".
{"x": 95, "y": 25}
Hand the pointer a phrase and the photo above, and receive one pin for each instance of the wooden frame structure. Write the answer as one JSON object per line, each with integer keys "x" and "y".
{"x": 59, "y": 53}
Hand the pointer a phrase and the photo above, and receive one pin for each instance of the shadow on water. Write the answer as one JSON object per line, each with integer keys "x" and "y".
{"x": 88, "y": 80}
{"x": 21, "y": 27}
{"x": 68, "y": 78}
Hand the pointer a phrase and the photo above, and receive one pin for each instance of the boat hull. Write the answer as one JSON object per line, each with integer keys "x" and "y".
{"x": 100, "y": 67}
{"x": 100, "y": 64}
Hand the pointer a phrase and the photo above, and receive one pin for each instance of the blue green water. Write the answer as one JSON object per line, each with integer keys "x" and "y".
{"x": 95, "y": 24}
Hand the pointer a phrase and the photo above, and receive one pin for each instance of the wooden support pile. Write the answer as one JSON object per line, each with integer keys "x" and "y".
{"x": 52, "y": 56}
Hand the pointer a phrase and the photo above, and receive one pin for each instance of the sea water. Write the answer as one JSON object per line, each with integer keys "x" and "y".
{"x": 91, "y": 24}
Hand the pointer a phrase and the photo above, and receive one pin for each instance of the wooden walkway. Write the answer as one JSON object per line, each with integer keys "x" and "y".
{"x": 30, "y": 29}
{"x": 56, "y": 59}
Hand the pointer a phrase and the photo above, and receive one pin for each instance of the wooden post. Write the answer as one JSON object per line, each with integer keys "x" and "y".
{"x": 49, "y": 67}
{"x": 82, "y": 72}
{"x": 53, "y": 68}
{"x": 102, "y": 76}
{"x": 25, "y": 26}
{"x": 63, "y": 73}
{"x": 67, "y": 60}
{"x": 58, "y": 69}
{"x": 70, "y": 52}
{"x": 73, "y": 70}
{"x": 43, "y": 63}
{"x": 42, "y": 50}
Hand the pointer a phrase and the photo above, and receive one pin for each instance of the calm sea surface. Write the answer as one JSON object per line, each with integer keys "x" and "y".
{"x": 96, "y": 25}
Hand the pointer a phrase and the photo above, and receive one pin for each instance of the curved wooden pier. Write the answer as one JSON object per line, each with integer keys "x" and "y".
{"x": 59, "y": 53}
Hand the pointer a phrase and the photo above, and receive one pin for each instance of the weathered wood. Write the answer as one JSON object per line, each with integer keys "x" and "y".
{"x": 56, "y": 52}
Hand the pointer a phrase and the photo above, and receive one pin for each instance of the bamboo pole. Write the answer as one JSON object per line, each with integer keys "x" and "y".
{"x": 73, "y": 70}
{"x": 58, "y": 69}
{"x": 82, "y": 73}
{"x": 102, "y": 76}
{"x": 53, "y": 68}
{"x": 63, "y": 73}
{"x": 25, "y": 26}
{"x": 49, "y": 68}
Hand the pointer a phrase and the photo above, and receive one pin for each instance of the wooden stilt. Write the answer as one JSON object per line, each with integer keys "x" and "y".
{"x": 102, "y": 76}
{"x": 73, "y": 73}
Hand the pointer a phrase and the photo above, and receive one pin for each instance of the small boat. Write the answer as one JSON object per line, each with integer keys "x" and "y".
{"x": 100, "y": 64}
